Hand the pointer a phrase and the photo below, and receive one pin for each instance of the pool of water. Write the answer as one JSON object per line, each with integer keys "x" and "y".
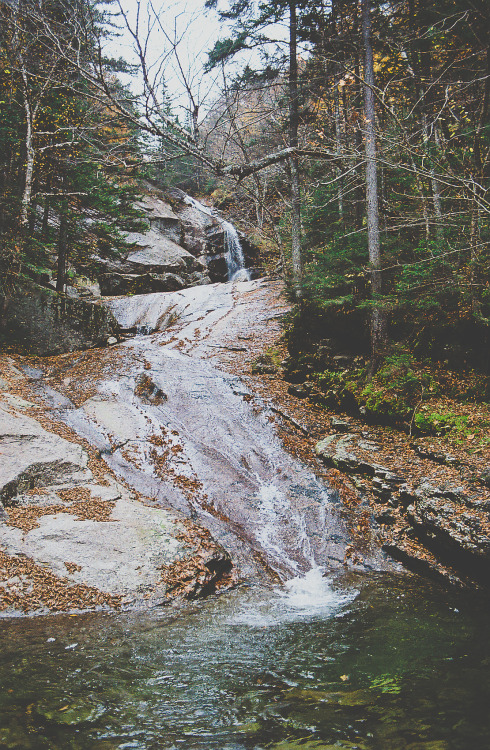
{"x": 371, "y": 662}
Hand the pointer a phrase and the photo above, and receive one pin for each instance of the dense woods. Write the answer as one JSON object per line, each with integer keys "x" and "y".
{"x": 394, "y": 143}
{"x": 355, "y": 150}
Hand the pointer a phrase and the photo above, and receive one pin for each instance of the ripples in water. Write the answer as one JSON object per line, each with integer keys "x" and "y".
{"x": 369, "y": 663}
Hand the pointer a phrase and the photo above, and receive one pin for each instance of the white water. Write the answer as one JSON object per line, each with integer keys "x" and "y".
{"x": 304, "y": 597}
{"x": 235, "y": 260}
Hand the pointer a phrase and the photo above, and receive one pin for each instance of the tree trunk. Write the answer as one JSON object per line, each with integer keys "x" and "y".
{"x": 62, "y": 248}
{"x": 297, "y": 266}
{"x": 338, "y": 148}
{"x": 359, "y": 198}
{"x": 378, "y": 316}
{"x": 30, "y": 158}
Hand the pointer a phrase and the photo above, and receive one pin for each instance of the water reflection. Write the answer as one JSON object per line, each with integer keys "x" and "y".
{"x": 369, "y": 664}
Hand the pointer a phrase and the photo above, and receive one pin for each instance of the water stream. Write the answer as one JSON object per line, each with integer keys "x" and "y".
{"x": 368, "y": 660}
{"x": 379, "y": 663}
{"x": 266, "y": 508}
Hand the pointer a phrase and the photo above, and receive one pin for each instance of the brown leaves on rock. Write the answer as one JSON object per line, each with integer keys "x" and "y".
{"x": 26, "y": 517}
{"x": 77, "y": 374}
{"x": 28, "y": 586}
{"x": 165, "y": 449}
{"x": 207, "y": 569}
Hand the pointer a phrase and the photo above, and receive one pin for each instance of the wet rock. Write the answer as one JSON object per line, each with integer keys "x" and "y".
{"x": 218, "y": 268}
{"x": 70, "y": 712}
{"x": 204, "y": 572}
{"x": 115, "y": 284}
{"x": 450, "y": 525}
{"x": 445, "y": 518}
{"x": 88, "y": 534}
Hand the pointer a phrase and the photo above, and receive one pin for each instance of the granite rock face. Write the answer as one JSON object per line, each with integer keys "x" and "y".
{"x": 88, "y": 530}
{"x": 31, "y": 457}
{"x": 450, "y": 521}
{"x": 183, "y": 238}
{"x": 117, "y": 284}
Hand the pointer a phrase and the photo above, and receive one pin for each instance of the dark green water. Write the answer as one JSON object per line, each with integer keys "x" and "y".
{"x": 381, "y": 663}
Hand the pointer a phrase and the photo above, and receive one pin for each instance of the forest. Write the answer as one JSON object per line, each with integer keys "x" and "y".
{"x": 244, "y": 374}
{"x": 356, "y": 152}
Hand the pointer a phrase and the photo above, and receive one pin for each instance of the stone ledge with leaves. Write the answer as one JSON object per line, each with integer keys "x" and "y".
{"x": 72, "y": 537}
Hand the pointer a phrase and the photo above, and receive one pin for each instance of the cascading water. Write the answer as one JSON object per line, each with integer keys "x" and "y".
{"x": 234, "y": 254}
{"x": 205, "y": 434}
{"x": 234, "y": 257}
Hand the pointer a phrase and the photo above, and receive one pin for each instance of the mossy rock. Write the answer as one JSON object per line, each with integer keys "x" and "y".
{"x": 43, "y": 322}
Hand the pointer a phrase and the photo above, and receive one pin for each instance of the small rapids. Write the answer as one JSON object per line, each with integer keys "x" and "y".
{"x": 304, "y": 597}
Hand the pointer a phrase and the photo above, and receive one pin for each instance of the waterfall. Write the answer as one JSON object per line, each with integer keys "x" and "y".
{"x": 234, "y": 258}
{"x": 234, "y": 254}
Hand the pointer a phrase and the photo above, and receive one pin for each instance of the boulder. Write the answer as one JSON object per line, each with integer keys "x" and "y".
{"x": 161, "y": 217}
{"x": 31, "y": 456}
{"x": 157, "y": 253}
{"x": 47, "y": 323}
{"x": 342, "y": 453}
{"x": 199, "y": 278}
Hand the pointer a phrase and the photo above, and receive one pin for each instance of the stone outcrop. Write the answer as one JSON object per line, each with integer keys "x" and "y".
{"x": 204, "y": 236}
{"x": 116, "y": 284}
{"x": 33, "y": 457}
{"x": 182, "y": 240}
{"x": 449, "y": 520}
{"x": 47, "y": 323}
{"x": 73, "y": 537}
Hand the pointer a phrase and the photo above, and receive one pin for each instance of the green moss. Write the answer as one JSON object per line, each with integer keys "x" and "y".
{"x": 268, "y": 362}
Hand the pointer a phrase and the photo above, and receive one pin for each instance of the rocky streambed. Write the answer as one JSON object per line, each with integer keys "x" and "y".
{"x": 148, "y": 471}
{"x": 138, "y": 473}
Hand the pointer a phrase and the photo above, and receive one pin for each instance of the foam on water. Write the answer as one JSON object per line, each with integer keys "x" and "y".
{"x": 306, "y": 597}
